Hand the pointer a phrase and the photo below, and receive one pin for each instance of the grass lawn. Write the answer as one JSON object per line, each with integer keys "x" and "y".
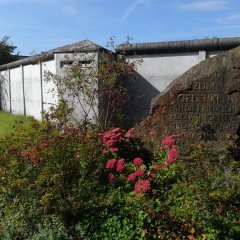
{"x": 7, "y": 121}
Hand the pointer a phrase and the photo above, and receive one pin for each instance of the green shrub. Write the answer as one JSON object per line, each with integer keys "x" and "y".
{"x": 59, "y": 182}
{"x": 47, "y": 171}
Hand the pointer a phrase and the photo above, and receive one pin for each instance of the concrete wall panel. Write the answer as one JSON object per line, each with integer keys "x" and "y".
{"x": 160, "y": 69}
{"x": 154, "y": 74}
{"x": 50, "y": 97}
{"x": 32, "y": 89}
{"x": 86, "y": 61}
{"x": 17, "y": 91}
{"x": 5, "y": 91}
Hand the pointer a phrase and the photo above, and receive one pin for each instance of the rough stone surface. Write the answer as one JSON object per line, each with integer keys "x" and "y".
{"x": 204, "y": 102}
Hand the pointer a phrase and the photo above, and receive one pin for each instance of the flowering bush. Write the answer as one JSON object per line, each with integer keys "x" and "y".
{"x": 141, "y": 170}
{"x": 171, "y": 190}
{"x": 63, "y": 183}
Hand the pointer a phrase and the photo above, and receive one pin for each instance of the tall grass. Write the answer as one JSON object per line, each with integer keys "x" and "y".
{"x": 7, "y": 121}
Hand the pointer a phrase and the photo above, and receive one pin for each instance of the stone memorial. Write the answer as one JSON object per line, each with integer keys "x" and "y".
{"x": 204, "y": 102}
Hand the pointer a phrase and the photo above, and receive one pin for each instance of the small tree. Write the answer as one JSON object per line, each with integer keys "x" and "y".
{"x": 99, "y": 89}
{"x": 6, "y": 51}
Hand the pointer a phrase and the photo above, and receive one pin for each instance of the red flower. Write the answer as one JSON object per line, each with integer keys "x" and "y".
{"x": 43, "y": 145}
{"x": 113, "y": 149}
{"x": 128, "y": 135}
{"x": 111, "y": 163}
{"x": 114, "y": 136}
{"x": 157, "y": 167}
{"x": 170, "y": 160}
{"x": 12, "y": 148}
{"x": 111, "y": 177}
{"x": 137, "y": 161}
{"x": 164, "y": 166}
{"x": 120, "y": 165}
{"x": 140, "y": 173}
{"x": 106, "y": 136}
{"x": 173, "y": 153}
{"x": 115, "y": 130}
{"x": 168, "y": 141}
{"x": 152, "y": 133}
{"x": 131, "y": 130}
{"x": 104, "y": 151}
{"x": 35, "y": 159}
{"x": 131, "y": 177}
{"x": 152, "y": 175}
{"x": 142, "y": 186}
{"x": 25, "y": 154}
{"x": 110, "y": 143}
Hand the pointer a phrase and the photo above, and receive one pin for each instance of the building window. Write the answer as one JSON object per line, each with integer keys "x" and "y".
{"x": 83, "y": 63}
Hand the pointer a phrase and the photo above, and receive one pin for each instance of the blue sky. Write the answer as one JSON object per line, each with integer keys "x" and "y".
{"x": 40, "y": 25}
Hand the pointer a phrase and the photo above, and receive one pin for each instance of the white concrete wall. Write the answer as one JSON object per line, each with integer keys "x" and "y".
{"x": 32, "y": 89}
{"x": 29, "y": 95}
{"x": 5, "y": 90}
{"x": 24, "y": 91}
{"x": 50, "y": 97}
{"x": 160, "y": 69}
{"x": 17, "y": 101}
{"x": 155, "y": 73}
{"x": 27, "y": 91}
{"x": 79, "y": 58}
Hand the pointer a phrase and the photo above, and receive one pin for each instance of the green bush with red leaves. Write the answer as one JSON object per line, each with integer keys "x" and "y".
{"x": 60, "y": 182}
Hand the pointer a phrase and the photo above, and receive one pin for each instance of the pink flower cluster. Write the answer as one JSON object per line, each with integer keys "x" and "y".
{"x": 130, "y": 132}
{"x": 118, "y": 165}
{"x": 168, "y": 141}
{"x": 137, "y": 161}
{"x": 169, "y": 144}
{"x": 141, "y": 175}
{"x": 138, "y": 173}
{"x": 142, "y": 186}
{"x": 111, "y": 138}
{"x": 173, "y": 153}
{"x": 113, "y": 163}
{"x": 32, "y": 155}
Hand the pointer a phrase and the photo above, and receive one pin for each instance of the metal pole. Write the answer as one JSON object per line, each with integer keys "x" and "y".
{"x": 10, "y": 94}
{"x": 41, "y": 83}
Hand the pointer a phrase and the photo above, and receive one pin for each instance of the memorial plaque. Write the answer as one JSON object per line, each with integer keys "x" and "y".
{"x": 204, "y": 102}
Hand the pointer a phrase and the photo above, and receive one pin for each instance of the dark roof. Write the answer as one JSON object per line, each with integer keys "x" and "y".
{"x": 180, "y": 46}
{"x": 82, "y": 46}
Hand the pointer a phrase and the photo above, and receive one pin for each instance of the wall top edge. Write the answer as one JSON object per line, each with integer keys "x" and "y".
{"x": 82, "y": 46}
{"x": 180, "y": 46}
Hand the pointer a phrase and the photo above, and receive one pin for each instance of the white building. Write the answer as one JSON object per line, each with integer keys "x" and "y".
{"x": 165, "y": 61}
{"x": 24, "y": 91}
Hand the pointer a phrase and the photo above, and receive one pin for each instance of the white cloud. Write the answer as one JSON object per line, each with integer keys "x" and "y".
{"x": 132, "y": 7}
{"x": 207, "y": 5}
{"x": 229, "y": 19}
